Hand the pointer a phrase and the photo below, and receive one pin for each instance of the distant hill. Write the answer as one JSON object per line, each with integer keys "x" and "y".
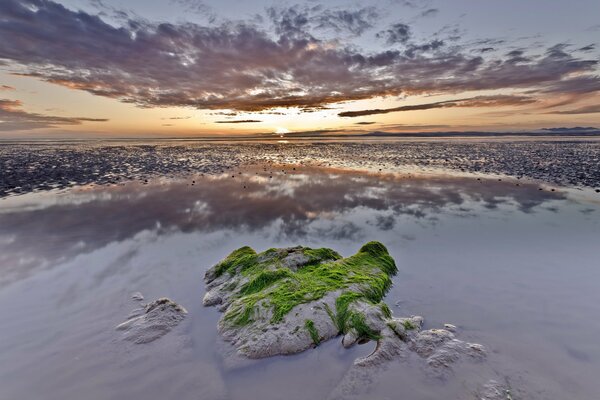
{"x": 576, "y": 131}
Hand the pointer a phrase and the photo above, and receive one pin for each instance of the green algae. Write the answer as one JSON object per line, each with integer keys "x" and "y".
{"x": 312, "y": 331}
{"x": 317, "y": 255}
{"x": 385, "y": 310}
{"x": 408, "y": 325}
{"x": 401, "y": 334}
{"x": 263, "y": 280}
{"x": 342, "y": 303}
{"x": 271, "y": 284}
{"x": 362, "y": 329}
{"x": 241, "y": 259}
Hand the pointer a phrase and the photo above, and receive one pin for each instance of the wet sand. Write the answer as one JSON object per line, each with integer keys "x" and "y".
{"x": 35, "y": 166}
{"x": 513, "y": 266}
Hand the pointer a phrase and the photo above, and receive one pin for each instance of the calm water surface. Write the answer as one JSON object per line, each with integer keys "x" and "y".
{"x": 514, "y": 267}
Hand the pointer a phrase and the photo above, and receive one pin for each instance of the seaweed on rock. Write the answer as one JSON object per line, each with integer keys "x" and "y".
{"x": 267, "y": 298}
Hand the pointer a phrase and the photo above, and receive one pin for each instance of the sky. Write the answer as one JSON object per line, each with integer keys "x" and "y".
{"x": 187, "y": 68}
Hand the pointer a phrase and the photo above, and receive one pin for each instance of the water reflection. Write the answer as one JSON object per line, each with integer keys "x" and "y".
{"x": 39, "y": 231}
{"x": 513, "y": 266}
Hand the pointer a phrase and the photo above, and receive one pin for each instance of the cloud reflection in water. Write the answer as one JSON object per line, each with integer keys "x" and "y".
{"x": 318, "y": 203}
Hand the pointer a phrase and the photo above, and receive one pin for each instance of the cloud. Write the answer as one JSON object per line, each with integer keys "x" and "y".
{"x": 299, "y": 20}
{"x": 576, "y": 85}
{"x": 595, "y": 108}
{"x": 239, "y": 121}
{"x": 397, "y": 33}
{"x": 479, "y": 101}
{"x": 6, "y": 88}
{"x": 197, "y": 7}
{"x": 587, "y": 48}
{"x": 430, "y": 12}
{"x": 241, "y": 66}
{"x": 365, "y": 123}
{"x": 415, "y": 49}
{"x": 355, "y": 22}
{"x": 12, "y": 117}
{"x": 399, "y": 128}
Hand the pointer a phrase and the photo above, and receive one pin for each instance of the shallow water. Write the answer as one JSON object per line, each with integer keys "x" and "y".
{"x": 516, "y": 268}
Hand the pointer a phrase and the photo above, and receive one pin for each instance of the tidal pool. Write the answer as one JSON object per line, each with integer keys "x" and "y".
{"x": 512, "y": 263}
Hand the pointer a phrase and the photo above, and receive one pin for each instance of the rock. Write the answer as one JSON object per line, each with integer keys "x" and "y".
{"x": 438, "y": 349}
{"x": 350, "y": 339}
{"x": 153, "y": 321}
{"x": 493, "y": 390}
{"x": 137, "y": 296}
{"x": 285, "y": 301}
{"x": 427, "y": 342}
{"x": 450, "y": 327}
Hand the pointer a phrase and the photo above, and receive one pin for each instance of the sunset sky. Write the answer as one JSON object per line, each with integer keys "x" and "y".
{"x": 164, "y": 68}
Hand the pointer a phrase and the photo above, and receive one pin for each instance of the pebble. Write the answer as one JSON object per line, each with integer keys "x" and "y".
{"x": 137, "y": 296}
{"x": 450, "y": 327}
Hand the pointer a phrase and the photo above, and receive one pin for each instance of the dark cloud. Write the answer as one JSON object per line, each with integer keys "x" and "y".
{"x": 587, "y": 48}
{"x": 365, "y": 123}
{"x": 397, "y": 33}
{"x": 299, "y": 20}
{"x": 13, "y": 118}
{"x": 577, "y": 85}
{"x": 6, "y": 87}
{"x": 197, "y": 7}
{"x": 292, "y": 21}
{"x": 355, "y": 22}
{"x": 479, "y": 101}
{"x": 391, "y": 128}
{"x": 489, "y": 42}
{"x": 516, "y": 56}
{"x": 558, "y": 51}
{"x": 238, "y": 121}
{"x": 592, "y": 109}
{"x": 415, "y": 49}
{"x": 242, "y": 67}
{"x": 188, "y": 117}
{"x": 107, "y": 10}
{"x": 515, "y": 53}
{"x": 225, "y": 113}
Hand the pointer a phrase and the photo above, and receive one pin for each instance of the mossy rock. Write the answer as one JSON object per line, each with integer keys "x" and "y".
{"x": 284, "y": 301}
{"x": 265, "y": 296}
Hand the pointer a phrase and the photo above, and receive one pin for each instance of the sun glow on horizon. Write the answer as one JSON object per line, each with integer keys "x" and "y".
{"x": 344, "y": 70}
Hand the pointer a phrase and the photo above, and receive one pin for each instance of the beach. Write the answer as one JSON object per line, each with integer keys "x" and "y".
{"x": 511, "y": 261}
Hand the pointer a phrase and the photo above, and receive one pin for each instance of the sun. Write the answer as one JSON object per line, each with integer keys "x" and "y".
{"x": 281, "y": 131}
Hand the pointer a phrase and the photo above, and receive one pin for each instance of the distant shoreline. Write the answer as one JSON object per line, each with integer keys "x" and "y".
{"x": 320, "y": 136}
